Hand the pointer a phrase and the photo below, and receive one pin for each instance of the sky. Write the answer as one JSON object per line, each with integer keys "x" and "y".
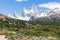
{"x": 9, "y": 6}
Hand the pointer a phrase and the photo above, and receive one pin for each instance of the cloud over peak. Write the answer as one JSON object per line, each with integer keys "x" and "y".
{"x": 50, "y": 5}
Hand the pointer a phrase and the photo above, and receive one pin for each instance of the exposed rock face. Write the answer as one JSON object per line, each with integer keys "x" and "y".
{"x": 2, "y": 16}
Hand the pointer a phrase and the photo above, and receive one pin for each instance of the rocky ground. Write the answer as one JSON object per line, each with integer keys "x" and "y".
{"x": 2, "y": 37}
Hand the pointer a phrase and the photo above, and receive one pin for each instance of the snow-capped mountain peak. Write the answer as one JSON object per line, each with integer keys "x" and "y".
{"x": 55, "y": 11}
{"x": 33, "y": 13}
{"x": 28, "y": 13}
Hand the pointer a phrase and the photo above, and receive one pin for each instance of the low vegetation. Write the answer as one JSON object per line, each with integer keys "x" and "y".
{"x": 25, "y": 28}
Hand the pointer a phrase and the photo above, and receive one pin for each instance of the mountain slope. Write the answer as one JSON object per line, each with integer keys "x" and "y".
{"x": 30, "y": 28}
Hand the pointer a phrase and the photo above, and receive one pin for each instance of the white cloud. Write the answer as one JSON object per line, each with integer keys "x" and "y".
{"x": 50, "y": 5}
{"x": 9, "y": 15}
{"x": 21, "y": 0}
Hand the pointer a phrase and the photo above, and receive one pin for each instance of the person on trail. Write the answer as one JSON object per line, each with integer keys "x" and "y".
{"x": 17, "y": 28}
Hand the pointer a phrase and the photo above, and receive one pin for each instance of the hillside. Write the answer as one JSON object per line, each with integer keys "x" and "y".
{"x": 30, "y": 28}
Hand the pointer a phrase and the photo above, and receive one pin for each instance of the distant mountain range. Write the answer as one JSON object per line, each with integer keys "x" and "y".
{"x": 53, "y": 16}
{"x": 35, "y": 15}
{"x": 28, "y": 13}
